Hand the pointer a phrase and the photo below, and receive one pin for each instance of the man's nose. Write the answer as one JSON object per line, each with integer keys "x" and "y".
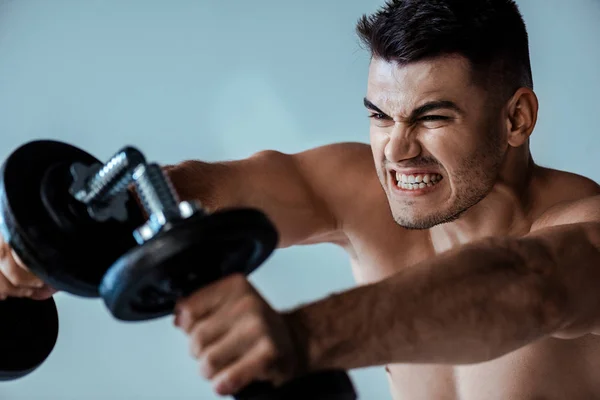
{"x": 402, "y": 145}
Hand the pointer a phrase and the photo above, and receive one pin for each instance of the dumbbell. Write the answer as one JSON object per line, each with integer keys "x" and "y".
{"x": 178, "y": 249}
{"x": 183, "y": 248}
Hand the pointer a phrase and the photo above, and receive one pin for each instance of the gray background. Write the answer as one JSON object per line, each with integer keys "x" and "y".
{"x": 219, "y": 80}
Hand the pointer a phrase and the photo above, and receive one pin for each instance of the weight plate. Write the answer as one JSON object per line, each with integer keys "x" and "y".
{"x": 27, "y": 337}
{"x": 34, "y": 219}
{"x": 146, "y": 282}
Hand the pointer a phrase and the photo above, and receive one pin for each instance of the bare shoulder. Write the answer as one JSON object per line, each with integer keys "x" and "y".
{"x": 343, "y": 176}
{"x": 352, "y": 156}
{"x": 566, "y": 198}
{"x": 326, "y": 167}
{"x": 334, "y": 169}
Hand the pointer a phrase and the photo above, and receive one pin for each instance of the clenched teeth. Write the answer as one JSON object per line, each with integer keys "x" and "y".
{"x": 412, "y": 182}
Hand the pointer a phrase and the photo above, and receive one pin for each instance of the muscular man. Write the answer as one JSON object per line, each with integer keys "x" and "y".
{"x": 478, "y": 270}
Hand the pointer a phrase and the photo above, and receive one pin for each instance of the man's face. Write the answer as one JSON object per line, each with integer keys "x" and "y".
{"x": 436, "y": 138}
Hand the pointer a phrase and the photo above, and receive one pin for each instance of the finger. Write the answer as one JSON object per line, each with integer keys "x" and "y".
{"x": 44, "y": 293}
{"x": 253, "y": 366}
{"x": 205, "y": 333}
{"x": 249, "y": 333}
{"x": 17, "y": 275}
{"x": 7, "y": 289}
{"x": 224, "y": 352}
{"x": 207, "y": 300}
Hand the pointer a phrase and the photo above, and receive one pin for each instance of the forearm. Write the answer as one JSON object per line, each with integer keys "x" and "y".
{"x": 465, "y": 306}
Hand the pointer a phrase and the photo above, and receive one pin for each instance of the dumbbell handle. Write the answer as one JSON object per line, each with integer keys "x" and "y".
{"x": 101, "y": 188}
{"x": 108, "y": 179}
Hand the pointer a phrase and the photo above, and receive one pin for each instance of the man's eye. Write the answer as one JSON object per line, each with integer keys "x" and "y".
{"x": 433, "y": 118}
{"x": 378, "y": 116}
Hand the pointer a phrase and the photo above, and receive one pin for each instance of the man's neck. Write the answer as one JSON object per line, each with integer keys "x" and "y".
{"x": 502, "y": 212}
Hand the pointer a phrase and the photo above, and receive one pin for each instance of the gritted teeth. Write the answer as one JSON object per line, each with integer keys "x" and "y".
{"x": 421, "y": 181}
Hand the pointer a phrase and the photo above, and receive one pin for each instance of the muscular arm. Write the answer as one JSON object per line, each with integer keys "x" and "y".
{"x": 468, "y": 305}
{"x": 298, "y": 192}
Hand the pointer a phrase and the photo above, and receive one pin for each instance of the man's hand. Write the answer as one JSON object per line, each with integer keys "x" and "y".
{"x": 237, "y": 337}
{"x": 16, "y": 280}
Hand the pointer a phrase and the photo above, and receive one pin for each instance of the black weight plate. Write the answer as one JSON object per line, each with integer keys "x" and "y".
{"x": 322, "y": 385}
{"x": 148, "y": 280}
{"x": 28, "y": 333}
{"x": 69, "y": 260}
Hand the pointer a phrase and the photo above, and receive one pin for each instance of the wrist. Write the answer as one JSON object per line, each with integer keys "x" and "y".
{"x": 298, "y": 327}
{"x": 322, "y": 334}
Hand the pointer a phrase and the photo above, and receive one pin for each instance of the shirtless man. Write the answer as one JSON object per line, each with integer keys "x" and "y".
{"x": 478, "y": 270}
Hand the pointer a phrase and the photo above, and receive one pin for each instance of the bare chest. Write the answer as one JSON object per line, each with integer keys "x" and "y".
{"x": 547, "y": 369}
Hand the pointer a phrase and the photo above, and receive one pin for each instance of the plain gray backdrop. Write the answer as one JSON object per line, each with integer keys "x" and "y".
{"x": 217, "y": 80}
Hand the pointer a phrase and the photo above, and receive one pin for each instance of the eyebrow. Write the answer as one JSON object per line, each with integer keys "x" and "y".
{"x": 372, "y": 106}
{"x": 425, "y": 108}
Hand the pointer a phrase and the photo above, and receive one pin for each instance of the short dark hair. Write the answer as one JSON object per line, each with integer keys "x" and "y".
{"x": 491, "y": 34}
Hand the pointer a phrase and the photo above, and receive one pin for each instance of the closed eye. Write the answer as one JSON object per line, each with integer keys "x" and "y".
{"x": 434, "y": 118}
{"x": 378, "y": 116}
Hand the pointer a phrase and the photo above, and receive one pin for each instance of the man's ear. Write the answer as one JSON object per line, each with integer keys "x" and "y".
{"x": 522, "y": 111}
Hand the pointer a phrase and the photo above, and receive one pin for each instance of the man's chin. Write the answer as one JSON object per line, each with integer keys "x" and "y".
{"x": 423, "y": 222}
{"x": 415, "y": 225}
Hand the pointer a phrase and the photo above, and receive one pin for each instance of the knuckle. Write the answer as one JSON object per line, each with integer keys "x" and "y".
{"x": 268, "y": 348}
{"x": 247, "y": 304}
{"x": 185, "y": 318}
{"x": 210, "y": 359}
{"x": 184, "y": 306}
{"x": 234, "y": 380}
{"x": 205, "y": 371}
{"x": 186, "y": 311}
{"x": 255, "y": 326}
{"x": 194, "y": 350}
{"x": 209, "y": 365}
{"x": 199, "y": 339}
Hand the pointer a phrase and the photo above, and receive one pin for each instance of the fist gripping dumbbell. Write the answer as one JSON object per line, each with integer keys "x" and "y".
{"x": 72, "y": 220}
